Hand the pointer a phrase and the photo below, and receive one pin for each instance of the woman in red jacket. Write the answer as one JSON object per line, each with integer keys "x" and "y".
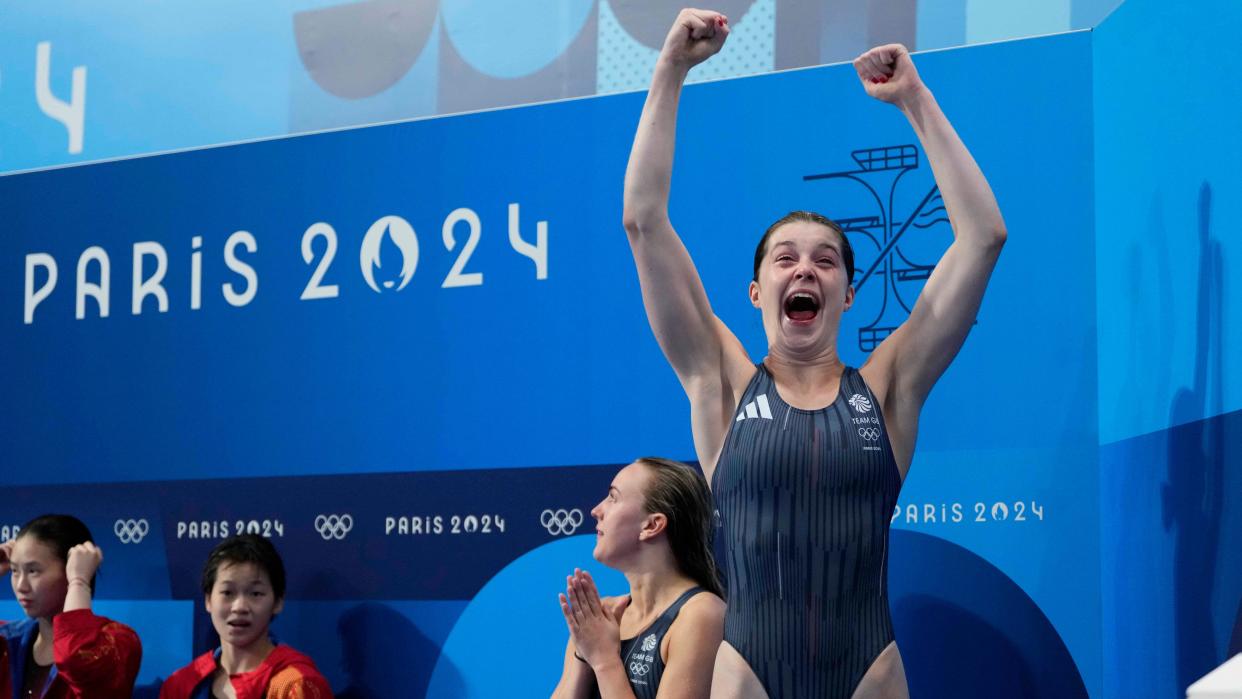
{"x": 244, "y": 587}
{"x": 62, "y": 650}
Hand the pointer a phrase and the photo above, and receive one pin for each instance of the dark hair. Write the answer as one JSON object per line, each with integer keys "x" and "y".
{"x": 246, "y": 548}
{"x": 60, "y": 532}
{"x": 680, "y": 493}
{"x": 847, "y": 252}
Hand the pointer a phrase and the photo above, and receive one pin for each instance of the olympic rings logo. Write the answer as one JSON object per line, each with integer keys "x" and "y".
{"x": 869, "y": 433}
{"x": 561, "y": 521}
{"x": 638, "y": 669}
{"x": 131, "y": 531}
{"x": 333, "y": 526}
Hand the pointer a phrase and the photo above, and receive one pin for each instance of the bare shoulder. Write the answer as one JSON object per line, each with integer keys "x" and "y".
{"x": 704, "y": 608}
{"x": 698, "y": 629}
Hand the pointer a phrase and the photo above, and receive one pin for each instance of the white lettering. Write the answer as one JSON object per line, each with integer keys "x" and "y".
{"x": 246, "y": 271}
{"x": 152, "y": 286}
{"x": 196, "y": 273}
{"x": 71, "y": 114}
{"x": 99, "y": 291}
{"x": 34, "y": 298}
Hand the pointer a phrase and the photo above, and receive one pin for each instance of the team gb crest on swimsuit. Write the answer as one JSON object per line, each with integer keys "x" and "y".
{"x": 649, "y": 643}
{"x": 860, "y": 403}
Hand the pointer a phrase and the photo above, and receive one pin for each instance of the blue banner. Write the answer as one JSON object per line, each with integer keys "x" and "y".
{"x": 378, "y": 345}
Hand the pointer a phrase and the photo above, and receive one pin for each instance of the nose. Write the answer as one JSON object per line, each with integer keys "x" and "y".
{"x": 804, "y": 270}
{"x": 240, "y": 604}
{"x": 598, "y": 512}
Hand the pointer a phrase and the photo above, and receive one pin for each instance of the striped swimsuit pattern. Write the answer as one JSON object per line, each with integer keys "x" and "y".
{"x": 805, "y": 498}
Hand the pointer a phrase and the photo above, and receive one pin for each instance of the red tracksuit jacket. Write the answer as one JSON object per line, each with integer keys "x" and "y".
{"x": 285, "y": 674}
{"x": 95, "y": 657}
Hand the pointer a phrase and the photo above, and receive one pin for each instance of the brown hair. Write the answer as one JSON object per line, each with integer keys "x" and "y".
{"x": 680, "y": 493}
{"x": 847, "y": 252}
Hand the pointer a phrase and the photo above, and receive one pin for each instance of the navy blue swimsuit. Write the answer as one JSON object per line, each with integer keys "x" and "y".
{"x": 805, "y": 498}
{"x": 641, "y": 654}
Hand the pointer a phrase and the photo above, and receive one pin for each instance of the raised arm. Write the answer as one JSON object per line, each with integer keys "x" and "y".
{"x": 918, "y": 352}
{"x": 91, "y": 652}
{"x": 676, "y": 304}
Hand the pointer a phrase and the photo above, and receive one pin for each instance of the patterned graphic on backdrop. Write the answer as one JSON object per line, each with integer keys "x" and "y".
{"x": 536, "y": 57}
{"x": 631, "y": 34}
{"x": 360, "y": 49}
{"x": 898, "y": 277}
{"x": 241, "y": 70}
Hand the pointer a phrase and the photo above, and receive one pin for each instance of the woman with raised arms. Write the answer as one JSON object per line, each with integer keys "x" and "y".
{"x": 805, "y": 455}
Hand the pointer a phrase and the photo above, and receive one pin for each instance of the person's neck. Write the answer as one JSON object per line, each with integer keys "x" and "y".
{"x": 235, "y": 660}
{"x": 811, "y": 369}
{"x": 654, "y": 586}
{"x": 43, "y": 650}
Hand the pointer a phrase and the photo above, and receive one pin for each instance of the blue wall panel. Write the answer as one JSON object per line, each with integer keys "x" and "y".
{"x": 400, "y": 397}
{"x": 1167, "y": 203}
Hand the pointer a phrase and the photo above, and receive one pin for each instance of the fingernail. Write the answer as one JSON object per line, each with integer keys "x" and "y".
{"x": 875, "y": 81}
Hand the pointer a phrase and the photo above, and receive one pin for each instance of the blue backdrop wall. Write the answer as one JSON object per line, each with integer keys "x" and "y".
{"x": 1167, "y": 204}
{"x": 421, "y": 334}
{"x": 415, "y": 354}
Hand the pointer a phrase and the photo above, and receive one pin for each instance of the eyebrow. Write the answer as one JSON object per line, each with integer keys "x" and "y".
{"x": 820, "y": 246}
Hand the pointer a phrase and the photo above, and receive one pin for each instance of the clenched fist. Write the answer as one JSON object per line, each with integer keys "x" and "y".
{"x": 888, "y": 74}
{"x": 84, "y": 560}
{"x": 695, "y": 37}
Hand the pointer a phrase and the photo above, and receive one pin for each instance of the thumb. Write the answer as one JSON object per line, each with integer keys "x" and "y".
{"x": 619, "y": 609}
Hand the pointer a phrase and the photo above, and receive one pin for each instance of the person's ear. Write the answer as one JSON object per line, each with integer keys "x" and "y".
{"x": 653, "y": 525}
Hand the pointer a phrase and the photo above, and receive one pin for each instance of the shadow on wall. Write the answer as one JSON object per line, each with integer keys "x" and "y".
{"x": 1192, "y": 499}
{"x": 385, "y": 656}
{"x": 966, "y": 630}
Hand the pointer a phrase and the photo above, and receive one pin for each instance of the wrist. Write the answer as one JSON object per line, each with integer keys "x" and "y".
{"x": 608, "y": 664}
{"x": 666, "y": 66}
{"x": 917, "y": 101}
{"x": 79, "y": 580}
{"x": 610, "y": 672}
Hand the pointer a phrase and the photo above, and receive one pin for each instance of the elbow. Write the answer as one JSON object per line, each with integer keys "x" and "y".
{"x": 995, "y": 236}
{"x": 631, "y": 223}
{"x": 638, "y": 220}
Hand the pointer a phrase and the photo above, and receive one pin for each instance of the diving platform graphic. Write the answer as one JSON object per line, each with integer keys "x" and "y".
{"x": 892, "y": 267}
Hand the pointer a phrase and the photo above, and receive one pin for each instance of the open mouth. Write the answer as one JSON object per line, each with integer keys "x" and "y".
{"x": 801, "y": 307}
